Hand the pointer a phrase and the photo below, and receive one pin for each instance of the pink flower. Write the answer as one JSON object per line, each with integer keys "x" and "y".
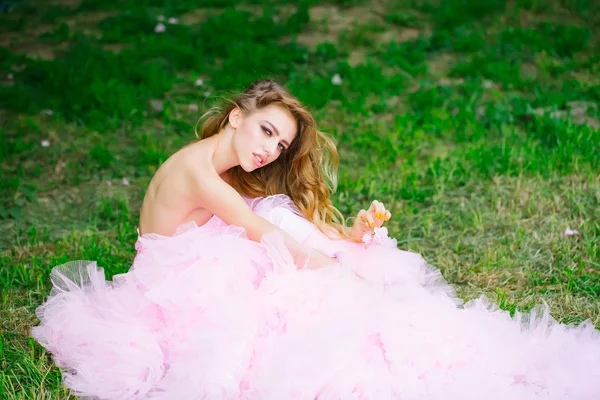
{"x": 571, "y": 232}
{"x": 45, "y": 143}
{"x": 381, "y": 234}
{"x": 160, "y": 28}
{"x": 377, "y": 236}
{"x": 125, "y": 182}
{"x": 193, "y": 107}
{"x": 199, "y": 82}
{"x": 367, "y": 237}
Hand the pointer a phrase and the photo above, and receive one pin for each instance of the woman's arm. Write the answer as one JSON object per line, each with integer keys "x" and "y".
{"x": 227, "y": 204}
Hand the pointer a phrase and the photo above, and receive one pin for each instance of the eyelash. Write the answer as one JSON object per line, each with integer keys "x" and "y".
{"x": 268, "y": 132}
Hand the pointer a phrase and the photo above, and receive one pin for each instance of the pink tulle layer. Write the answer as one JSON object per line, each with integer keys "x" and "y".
{"x": 209, "y": 314}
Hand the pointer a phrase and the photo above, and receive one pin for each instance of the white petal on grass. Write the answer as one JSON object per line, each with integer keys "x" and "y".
{"x": 336, "y": 79}
{"x": 157, "y": 105}
{"x": 47, "y": 112}
{"x": 125, "y": 181}
{"x": 10, "y": 77}
{"x": 109, "y": 183}
{"x": 199, "y": 82}
{"x": 206, "y": 94}
{"x": 161, "y": 18}
{"x": 160, "y": 28}
{"x": 571, "y": 232}
{"x": 45, "y": 143}
{"x": 193, "y": 107}
{"x": 173, "y": 20}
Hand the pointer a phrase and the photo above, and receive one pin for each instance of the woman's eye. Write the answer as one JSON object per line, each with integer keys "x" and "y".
{"x": 281, "y": 147}
{"x": 268, "y": 132}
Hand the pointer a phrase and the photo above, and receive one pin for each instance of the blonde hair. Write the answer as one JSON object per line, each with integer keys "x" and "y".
{"x": 306, "y": 172}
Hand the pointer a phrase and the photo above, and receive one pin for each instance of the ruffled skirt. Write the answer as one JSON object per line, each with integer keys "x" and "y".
{"x": 210, "y": 314}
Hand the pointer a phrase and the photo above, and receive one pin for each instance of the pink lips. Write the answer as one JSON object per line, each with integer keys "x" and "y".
{"x": 262, "y": 159}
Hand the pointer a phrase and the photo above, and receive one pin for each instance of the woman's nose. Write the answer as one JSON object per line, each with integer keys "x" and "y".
{"x": 270, "y": 148}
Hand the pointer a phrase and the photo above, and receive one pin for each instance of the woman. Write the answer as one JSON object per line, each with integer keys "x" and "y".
{"x": 248, "y": 285}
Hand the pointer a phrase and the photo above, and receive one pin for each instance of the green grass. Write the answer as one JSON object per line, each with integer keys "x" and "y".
{"x": 476, "y": 123}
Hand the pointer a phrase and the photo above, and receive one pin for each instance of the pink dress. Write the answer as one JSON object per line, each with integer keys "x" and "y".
{"x": 210, "y": 314}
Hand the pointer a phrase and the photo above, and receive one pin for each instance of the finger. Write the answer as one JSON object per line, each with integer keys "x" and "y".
{"x": 362, "y": 219}
{"x": 381, "y": 219}
{"x": 373, "y": 207}
{"x": 380, "y": 212}
{"x": 371, "y": 220}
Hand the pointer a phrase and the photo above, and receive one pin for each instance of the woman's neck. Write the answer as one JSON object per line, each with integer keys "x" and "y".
{"x": 224, "y": 157}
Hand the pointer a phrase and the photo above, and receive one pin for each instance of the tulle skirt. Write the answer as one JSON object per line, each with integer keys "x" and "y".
{"x": 209, "y": 314}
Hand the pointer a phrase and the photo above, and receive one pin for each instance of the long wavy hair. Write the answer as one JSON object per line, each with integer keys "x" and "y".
{"x": 306, "y": 172}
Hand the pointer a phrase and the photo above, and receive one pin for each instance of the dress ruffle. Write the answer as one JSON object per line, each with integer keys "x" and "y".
{"x": 209, "y": 314}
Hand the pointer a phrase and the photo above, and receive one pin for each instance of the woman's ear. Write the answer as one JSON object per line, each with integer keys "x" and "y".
{"x": 235, "y": 117}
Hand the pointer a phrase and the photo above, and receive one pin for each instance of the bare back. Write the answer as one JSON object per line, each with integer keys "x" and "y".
{"x": 171, "y": 198}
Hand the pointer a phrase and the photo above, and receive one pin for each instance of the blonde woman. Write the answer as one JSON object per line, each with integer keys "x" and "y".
{"x": 247, "y": 284}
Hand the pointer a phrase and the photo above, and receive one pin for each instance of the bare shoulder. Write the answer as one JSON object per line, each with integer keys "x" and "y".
{"x": 199, "y": 170}
{"x": 204, "y": 182}
{"x": 212, "y": 193}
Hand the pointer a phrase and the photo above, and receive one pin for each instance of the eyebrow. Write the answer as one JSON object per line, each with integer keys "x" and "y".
{"x": 277, "y": 132}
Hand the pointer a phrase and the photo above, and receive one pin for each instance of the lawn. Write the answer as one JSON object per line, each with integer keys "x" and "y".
{"x": 476, "y": 123}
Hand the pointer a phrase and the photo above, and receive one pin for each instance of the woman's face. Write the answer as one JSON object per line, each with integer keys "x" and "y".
{"x": 262, "y": 136}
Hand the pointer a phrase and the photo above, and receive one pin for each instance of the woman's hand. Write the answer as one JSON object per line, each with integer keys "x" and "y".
{"x": 367, "y": 220}
{"x": 318, "y": 260}
{"x": 310, "y": 258}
